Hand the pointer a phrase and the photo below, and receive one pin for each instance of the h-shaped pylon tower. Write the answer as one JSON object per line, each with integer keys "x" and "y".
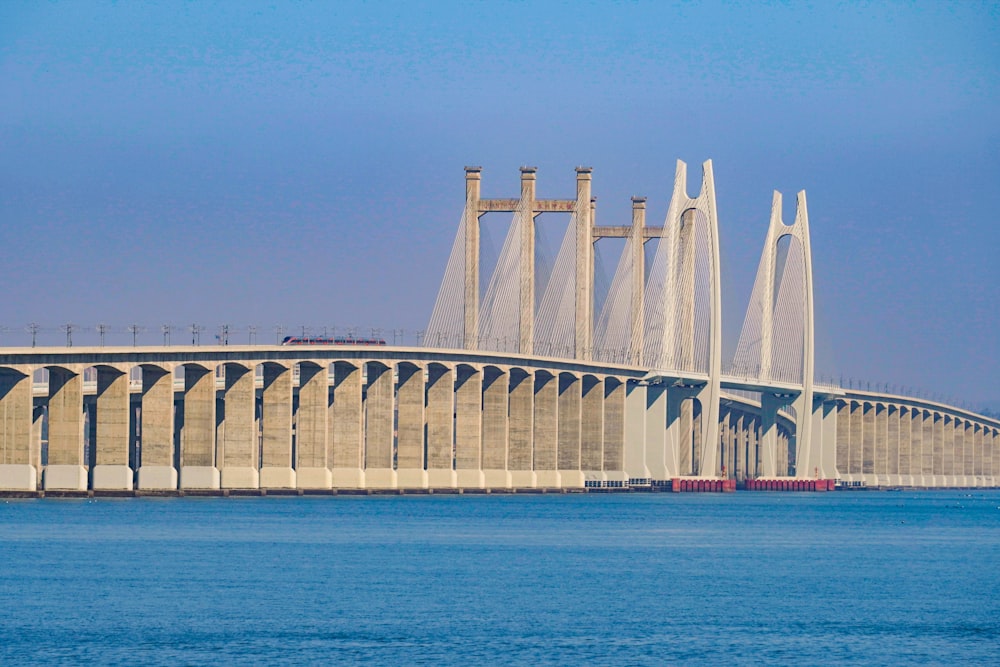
{"x": 775, "y": 353}
{"x": 683, "y": 332}
{"x": 508, "y": 318}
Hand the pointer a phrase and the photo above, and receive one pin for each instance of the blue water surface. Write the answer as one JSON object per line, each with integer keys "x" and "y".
{"x": 863, "y": 578}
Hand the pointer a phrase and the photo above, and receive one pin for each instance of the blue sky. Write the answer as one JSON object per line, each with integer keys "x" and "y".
{"x": 302, "y": 164}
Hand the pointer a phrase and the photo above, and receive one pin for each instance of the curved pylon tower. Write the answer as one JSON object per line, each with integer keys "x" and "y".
{"x": 776, "y": 347}
{"x": 683, "y": 336}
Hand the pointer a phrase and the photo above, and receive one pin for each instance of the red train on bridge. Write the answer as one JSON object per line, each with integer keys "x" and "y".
{"x": 339, "y": 340}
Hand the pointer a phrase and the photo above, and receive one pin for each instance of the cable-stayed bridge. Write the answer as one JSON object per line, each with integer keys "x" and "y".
{"x": 521, "y": 383}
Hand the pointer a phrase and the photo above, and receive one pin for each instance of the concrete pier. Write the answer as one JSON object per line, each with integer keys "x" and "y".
{"x": 312, "y": 469}
{"x": 468, "y": 427}
{"x": 65, "y": 469}
{"x": 17, "y": 469}
{"x": 347, "y": 426}
{"x": 440, "y": 427}
{"x": 569, "y": 431}
{"x": 198, "y": 461}
{"x": 411, "y": 469}
{"x": 157, "y": 461}
{"x": 276, "y": 471}
{"x": 380, "y": 471}
{"x": 111, "y": 469}
{"x": 496, "y": 387}
{"x": 239, "y": 446}
{"x": 546, "y": 429}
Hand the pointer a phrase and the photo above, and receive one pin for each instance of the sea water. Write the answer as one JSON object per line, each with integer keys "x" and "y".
{"x": 849, "y": 577}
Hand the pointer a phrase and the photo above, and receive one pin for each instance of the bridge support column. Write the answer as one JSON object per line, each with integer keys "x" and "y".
{"x": 659, "y": 450}
{"x": 985, "y": 455}
{"x": 962, "y": 478}
{"x": 379, "y": 407}
{"x": 546, "y": 430}
{"x": 855, "y": 471}
{"x": 905, "y": 447}
{"x": 238, "y": 438}
{"x": 993, "y": 454}
{"x": 569, "y": 414}
{"x": 496, "y": 387}
{"x": 65, "y": 469}
{"x": 440, "y": 427}
{"x": 727, "y": 447}
{"x": 312, "y": 467}
{"x": 990, "y": 477}
{"x": 468, "y": 427}
{"x": 346, "y": 423}
{"x": 822, "y": 462}
{"x": 968, "y": 452}
{"x": 592, "y": 430}
{"x": 937, "y": 449}
{"x": 519, "y": 453}
{"x": 843, "y": 443}
{"x": 198, "y": 431}
{"x": 769, "y": 435}
{"x": 868, "y": 445}
{"x": 968, "y": 437}
{"x": 411, "y": 472}
{"x": 276, "y": 470}
{"x": 17, "y": 469}
{"x": 613, "y": 454}
{"x": 684, "y": 448}
{"x": 883, "y": 448}
{"x": 948, "y": 475}
{"x": 740, "y": 435}
{"x": 979, "y": 470}
{"x": 156, "y": 418}
{"x": 111, "y": 469}
{"x": 634, "y": 449}
{"x": 967, "y": 434}
{"x": 919, "y": 466}
{"x": 927, "y": 449}
{"x": 753, "y": 447}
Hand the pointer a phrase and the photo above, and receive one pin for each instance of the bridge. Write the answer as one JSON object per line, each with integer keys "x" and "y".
{"x": 521, "y": 383}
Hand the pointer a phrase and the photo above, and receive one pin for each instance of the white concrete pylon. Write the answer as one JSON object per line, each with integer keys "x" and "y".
{"x": 678, "y": 303}
{"x": 759, "y": 338}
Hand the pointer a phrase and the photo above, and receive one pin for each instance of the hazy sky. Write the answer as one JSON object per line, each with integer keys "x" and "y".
{"x": 303, "y": 164}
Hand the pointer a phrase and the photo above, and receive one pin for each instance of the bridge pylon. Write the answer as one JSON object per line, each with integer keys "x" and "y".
{"x": 683, "y": 338}
{"x": 776, "y": 345}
